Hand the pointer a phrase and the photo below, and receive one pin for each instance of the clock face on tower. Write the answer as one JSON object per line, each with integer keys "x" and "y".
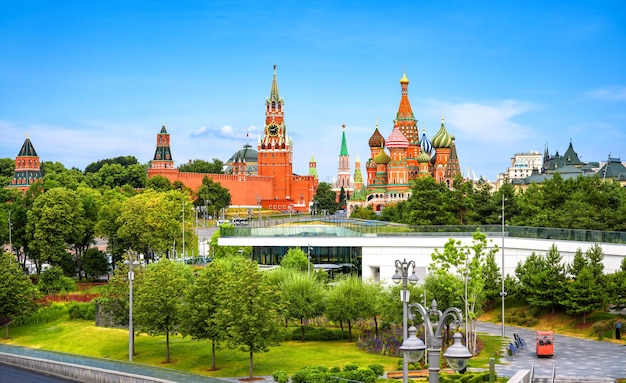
{"x": 272, "y": 130}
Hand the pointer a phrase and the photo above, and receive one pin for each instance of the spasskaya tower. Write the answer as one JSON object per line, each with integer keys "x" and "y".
{"x": 275, "y": 154}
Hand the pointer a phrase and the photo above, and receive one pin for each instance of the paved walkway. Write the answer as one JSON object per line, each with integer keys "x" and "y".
{"x": 573, "y": 357}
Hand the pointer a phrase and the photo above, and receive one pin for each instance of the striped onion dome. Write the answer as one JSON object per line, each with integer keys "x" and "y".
{"x": 442, "y": 139}
{"x": 397, "y": 140}
{"x": 423, "y": 158}
{"x": 425, "y": 144}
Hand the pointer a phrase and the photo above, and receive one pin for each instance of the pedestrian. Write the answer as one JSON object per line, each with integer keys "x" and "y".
{"x": 618, "y": 330}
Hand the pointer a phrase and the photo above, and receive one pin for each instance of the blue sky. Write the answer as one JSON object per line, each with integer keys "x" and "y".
{"x": 89, "y": 80}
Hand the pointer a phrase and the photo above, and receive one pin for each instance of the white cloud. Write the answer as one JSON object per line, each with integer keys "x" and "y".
{"x": 201, "y": 131}
{"x": 612, "y": 93}
{"x": 226, "y": 130}
{"x": 486, "y": 121}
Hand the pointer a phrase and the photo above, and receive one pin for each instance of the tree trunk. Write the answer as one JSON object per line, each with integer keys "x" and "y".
{"x": 251, "y": 365}
{"x": 350, "y": 330}
{"x": 6, "y": 329}
{"x": 302, "y": 328}
{"x": 376, "y": 325}
{"x": 213, "y": 355}
{"x": 167, "y": 346}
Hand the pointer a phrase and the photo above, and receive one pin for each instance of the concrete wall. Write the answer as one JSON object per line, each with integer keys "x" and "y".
{"x": 77, "y": 372}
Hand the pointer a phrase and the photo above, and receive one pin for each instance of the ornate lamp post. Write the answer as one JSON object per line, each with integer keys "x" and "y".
{"x": 413, "y": 348}
{"x": 130, "y": 261}
{"x": 402, "y": 275}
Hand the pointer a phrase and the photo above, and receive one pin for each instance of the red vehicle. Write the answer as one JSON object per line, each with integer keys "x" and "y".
{"x": 545, "y": 344}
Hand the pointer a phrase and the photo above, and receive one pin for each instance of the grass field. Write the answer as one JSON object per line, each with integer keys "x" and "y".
{"x": 82, "y": 337}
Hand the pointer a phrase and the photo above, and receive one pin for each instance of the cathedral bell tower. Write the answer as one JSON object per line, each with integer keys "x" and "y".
{"x": 274, "y": 148}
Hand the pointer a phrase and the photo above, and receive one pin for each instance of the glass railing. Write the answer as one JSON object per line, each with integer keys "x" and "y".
{"x": 126, "y": 367}
{"x": 336, "y": 227}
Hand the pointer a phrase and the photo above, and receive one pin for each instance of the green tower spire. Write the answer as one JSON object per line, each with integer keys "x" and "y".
{"x": 344, "y": 145}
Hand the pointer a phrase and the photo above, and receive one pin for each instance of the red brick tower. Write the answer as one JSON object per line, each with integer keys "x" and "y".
{"x": 275, "y": 151}
{"x": 27, "y": 167}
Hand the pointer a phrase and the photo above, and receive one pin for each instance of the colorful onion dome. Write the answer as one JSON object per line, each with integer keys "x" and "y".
{"x": 397, "y": 140}
{"x": 376, "y": 140}
{"x": 425, "y": 144}
{"x": 382, "y": 157}
{"x": 442, "y": 139}
{"x": 423, "y": 158}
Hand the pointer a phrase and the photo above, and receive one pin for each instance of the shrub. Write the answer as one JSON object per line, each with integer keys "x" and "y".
{"x": 86, "y": 311}
{"x": 378, "y": 369}
{"x": 318, "y": 334}
{"x": 45, "y": 314}
{"x": 53, "y": 281}
{"x": 365, "y": 375}
{"x": 280, "y": 376}
{"x": 602, "y": 327}
{"x": 474, "y": 377}
{"x": 320, "y": 374}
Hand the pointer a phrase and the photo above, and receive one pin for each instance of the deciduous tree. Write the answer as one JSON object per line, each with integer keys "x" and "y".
{"x": 18, "y": 295}
{"x": 160, "y": 295}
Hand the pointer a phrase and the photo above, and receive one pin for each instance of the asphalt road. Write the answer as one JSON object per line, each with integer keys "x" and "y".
{"x": 12, "y": 374}
{"x": 573, "y": 357}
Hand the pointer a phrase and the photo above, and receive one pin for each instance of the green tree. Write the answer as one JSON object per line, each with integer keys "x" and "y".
{"x": 108, "y": 224}
{"x": 151, "y": 222}
{"x": 125, "y": 161}
{"x": 95, "y": 263}
{"x": 114, "y": 297}
{"x": 7, "y": 168}
{"x": 202, "y": 166}
{"x": 342, "y": 198}
{"x": 427, "y": 205}
{"x": 303, "y": 296}
{"x": 91, "y": 201}
{"x": 296, "y": 259}
{"x": 214, "y": 192}
{"x": 52, "y": 281}
{"x": 160, "y": 299}
{"x": 55, "y": 221}
{"x": 363, "y": 213}
{"x": 542, "y": 279}
{"x": 468, "y": 264}
{"x": 201, "y": 311}
{"x": 18, "y": 296}
{"x": 325, "y": 199}
{"x": 493, "y": 281}
{"x": 348, "y": 302}
{"x": 56, "y": 175}
{"x": 617, "y": 286}
{"x": 587, "y": 290}
{"x": 461, "y": 201}
{"x": 159, "y": 183}
{"x": 251, "y": 309}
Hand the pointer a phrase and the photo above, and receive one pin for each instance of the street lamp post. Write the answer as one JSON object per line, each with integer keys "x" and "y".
{"x": 130, "y": 261}
{"x": 503, "y": 293}
{"x": 402, "y": 275}
{"x": 413, "y": 347}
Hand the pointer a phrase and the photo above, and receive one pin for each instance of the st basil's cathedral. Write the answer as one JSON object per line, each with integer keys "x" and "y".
{"x": 390, "y": 175}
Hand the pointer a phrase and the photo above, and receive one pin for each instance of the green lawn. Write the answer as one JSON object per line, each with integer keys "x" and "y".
{"x": 82, "y": 337}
